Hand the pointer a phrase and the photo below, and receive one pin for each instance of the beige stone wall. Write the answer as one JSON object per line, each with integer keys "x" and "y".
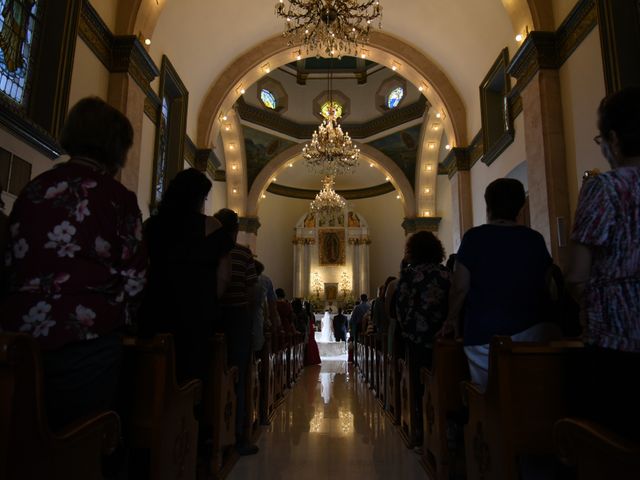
{"x": 147, "y": 151}
{"x": 89, "y": 77}
{"x": 582, "y": 83}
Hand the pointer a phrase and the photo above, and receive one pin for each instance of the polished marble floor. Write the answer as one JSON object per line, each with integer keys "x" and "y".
{"x": 330, "y": 427}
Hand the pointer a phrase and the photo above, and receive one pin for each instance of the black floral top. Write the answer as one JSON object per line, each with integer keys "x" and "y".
{"x": 422, "y": 302}
{"x": 74, "y": 256}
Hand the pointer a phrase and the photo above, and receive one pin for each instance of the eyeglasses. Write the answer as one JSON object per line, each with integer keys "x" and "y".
{"x": 598, "y": 139}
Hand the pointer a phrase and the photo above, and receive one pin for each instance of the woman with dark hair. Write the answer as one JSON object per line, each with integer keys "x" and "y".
{"x": 76, "y": 263}
{"x": 604, "y": 269}
{"x": 499, "y": 278}
{"x": 421, "y": 305}
{"x": 422, "y": 291}
{"x": 185, "y": 250}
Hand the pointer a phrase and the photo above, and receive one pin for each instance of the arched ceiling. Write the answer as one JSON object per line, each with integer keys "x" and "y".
{"x": 202, "y": 37}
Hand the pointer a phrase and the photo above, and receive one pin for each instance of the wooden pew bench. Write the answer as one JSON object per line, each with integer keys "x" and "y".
{"x": 515, "y": 416}
{"x": 29, "y": 450}
{"x": 267, "y": 381}
{"x": 393, "y": 385}
{"x": 442, "y": 404}
{"x": 219, "y": 407}
{"x": 595, "y": 452}
{"x": 159, "y": 414}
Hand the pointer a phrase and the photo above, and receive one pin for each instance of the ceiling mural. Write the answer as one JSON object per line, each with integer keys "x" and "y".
{"x": 402, "y": 148}
{"x": 260, "y": 148}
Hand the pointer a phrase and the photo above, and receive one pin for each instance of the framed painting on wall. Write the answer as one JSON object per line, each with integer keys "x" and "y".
{"x": 331, "y": 247}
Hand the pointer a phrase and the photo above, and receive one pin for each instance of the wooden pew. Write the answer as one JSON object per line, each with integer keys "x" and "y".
{"x": 596, "y": 452}
{"x": 267, "y": 381}
{"x": 409, "y": 424}
{"x": 252, "y": 428}
{"x": 515, "y": 416}
{"x": 381, "y": 391}
{"x": 442, "y": 403}
{"x": 219, "y": 407}
{"x": 28, "y": 449}
{"x": 159, "y": 413}
{"x": 393, "y": 385}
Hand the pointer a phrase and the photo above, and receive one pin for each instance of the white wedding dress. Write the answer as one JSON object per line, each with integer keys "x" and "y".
{"x": 325, "y": 334}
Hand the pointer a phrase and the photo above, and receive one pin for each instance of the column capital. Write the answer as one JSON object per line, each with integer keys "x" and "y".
{"x": 458, "y": 160}
{"x": 249, "y": 224}
{"x": 417, "y": 224}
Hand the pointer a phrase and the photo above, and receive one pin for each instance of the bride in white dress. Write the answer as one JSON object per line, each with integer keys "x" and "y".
{"x": 325, "y": 334}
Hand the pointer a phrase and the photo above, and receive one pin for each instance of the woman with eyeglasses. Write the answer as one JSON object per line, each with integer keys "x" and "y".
{"x": 604, "y": 271}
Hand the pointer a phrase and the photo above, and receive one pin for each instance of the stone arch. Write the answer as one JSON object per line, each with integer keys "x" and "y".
{"x": 397, "y": 177}
{"x": 382, "y": 48}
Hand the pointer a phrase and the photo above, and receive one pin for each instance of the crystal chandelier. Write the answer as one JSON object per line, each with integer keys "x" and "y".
{"x": 331, "y": 151}
{"x": 327, "y": 202}
{"x": 333, "y": 27}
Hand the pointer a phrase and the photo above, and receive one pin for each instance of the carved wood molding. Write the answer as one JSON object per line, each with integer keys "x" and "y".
{"x": 119, "y": 54}
{"x": 307, "y": 194}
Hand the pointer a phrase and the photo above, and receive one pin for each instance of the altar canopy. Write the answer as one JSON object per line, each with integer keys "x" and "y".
{"x": 331, "y": 257}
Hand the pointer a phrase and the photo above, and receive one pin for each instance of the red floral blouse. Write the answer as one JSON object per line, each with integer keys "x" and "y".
{"x": 74, "y": 255}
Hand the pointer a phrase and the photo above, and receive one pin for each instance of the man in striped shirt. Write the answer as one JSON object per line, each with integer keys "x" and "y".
{"x": 236, "y": 307}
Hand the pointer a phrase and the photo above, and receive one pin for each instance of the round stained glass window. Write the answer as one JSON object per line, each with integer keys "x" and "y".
{"x": 268, "y": 99}
{"x": 395, "y": 97}
{"x": 326, "y": 108}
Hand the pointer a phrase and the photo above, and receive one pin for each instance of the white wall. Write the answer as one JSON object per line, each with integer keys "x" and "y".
{"x": 444, "y": 210}
{"x": 107, "y": 9}
{"x": 582, "y": 86}
{"x": 481, "y": 175}
{"x": 145, "y": 177}
{"x": 217, "y": 198}
{"x": 89, "y": 76}
{"x": 561, "y": 9}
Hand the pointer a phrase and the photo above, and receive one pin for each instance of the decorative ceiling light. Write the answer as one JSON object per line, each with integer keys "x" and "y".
{"x": 332, "y": 27}
{"x": 331, "y": 151}
{"x": 327, "y": 202}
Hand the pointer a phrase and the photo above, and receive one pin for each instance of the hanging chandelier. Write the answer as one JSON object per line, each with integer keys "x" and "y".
{"x": 331, "y": 27}
{"x": 327, "y": 202}
{"x": 331, "y": 151}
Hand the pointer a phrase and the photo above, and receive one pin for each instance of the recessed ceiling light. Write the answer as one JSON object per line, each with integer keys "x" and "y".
{"x": 147, "y": 41}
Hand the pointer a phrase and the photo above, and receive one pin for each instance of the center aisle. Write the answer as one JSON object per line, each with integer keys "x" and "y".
{"x": 330, "y": 426}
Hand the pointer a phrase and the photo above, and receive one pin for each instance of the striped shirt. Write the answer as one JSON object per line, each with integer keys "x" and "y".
{"x": 243, "y": 276}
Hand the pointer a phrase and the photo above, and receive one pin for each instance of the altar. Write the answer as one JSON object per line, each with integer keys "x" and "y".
{"x": 331, "y": 258}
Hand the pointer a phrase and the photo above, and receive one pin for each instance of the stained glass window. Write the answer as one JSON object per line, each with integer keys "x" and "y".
{"x": 326, "y": 108}
{"x": 395, "y": 97}
{"x": 17, "y": 25}
{"x": 268, "y": 99}
{"x": 161, "y": 163}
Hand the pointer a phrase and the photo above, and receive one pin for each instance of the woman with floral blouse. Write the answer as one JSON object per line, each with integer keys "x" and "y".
{"x": 604, "y": 271}
{"x": 76, "y": 263}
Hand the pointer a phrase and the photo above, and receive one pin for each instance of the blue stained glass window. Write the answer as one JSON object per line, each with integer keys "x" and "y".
{"x": 395, "y": 97}
{"x": 17, "y": 24}
{"x": 268, "y": 99}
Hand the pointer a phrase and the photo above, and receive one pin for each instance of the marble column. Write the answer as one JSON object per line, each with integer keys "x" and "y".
{"x": 355, "y": 273}
{"x": 306, "y": 269}
{"x": 546, "y": 166}
{"x": 364, "y": 267}
{"x": 298, "y": 268}
{"x": 461, "y": 201}
{"x": 127, "y": 96}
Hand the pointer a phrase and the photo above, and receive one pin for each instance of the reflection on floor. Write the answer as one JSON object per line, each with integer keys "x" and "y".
{"x": 330, "y": 427}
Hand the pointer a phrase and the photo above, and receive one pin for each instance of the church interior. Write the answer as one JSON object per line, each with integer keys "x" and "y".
{"x": 424, "y": 105}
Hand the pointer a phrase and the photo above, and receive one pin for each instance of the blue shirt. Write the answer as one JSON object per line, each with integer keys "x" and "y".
{"x": 508, "y": 294}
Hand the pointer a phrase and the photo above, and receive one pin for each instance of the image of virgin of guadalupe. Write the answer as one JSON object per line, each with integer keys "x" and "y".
{"x": 331, "y": 248}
